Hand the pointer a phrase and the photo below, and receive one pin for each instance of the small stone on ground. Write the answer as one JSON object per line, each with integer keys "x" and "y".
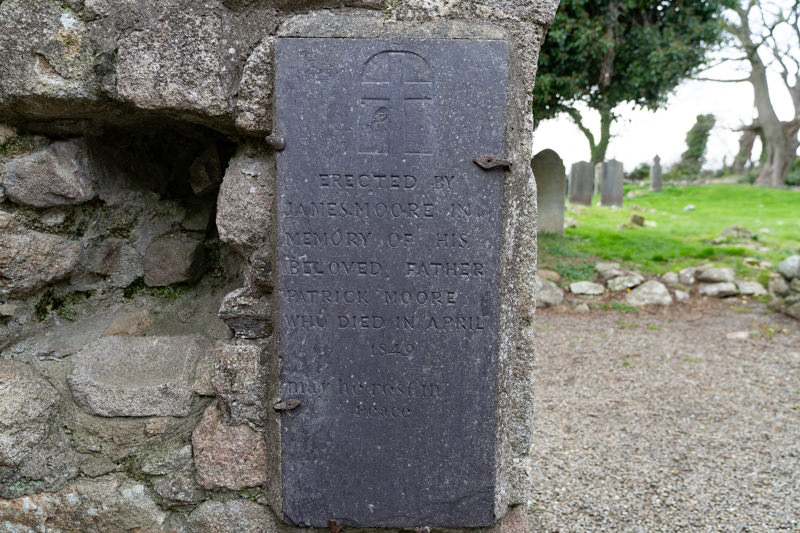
{"x": 649, "y": 293}
{"x": 588, "y": 288}
{"x": 718, "y": 290}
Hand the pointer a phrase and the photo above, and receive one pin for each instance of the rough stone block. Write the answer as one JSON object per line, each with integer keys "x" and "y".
{"x": 179, "y": 488}
{"x": 232, "y": 457}
{"x": 261, "y": 273}
{"x": 670, "y": 279}
{"x": 32, "y": 449}
{"x": 174, "y": 259}
{"x": 57, "y": 175}
{"x": 240, "y": 381}
{"x": 46, "y": 56}
{"x": 218, "y": 517}
{"x": 626, "y": 281}
{"x": 175, "y": 63}
{"x": 169, "y": 460}
{"x": 236, "y": 367}
{"x": 649, "y": 293}
{"x": 716, "y": 275}
{"x": 198, "y": 217}
{"x": 30, "y": 260}
{"x": 109, "y": 503}
{"x": 245, "y": 201}
{"x": 687, "y": 275}
{"x": 254, "y": 102}
{"x": 116, "y": 259}
{"x": 778, "y": 286}
{"x": 248, "y": 313}
{"x": 721, "y": 289}
{"x": 789, "y": 268}
{"x": 609, "y": 270}
{"x": 205, "y": 172}
{"x": 751, "y": 288}
{"x": 203, "y": 374}
{"x": 548, "y": 293}
{"x": 130, "y": 324}
{"x": 7, "y": 134}
{"x": 136, "y": 376}
{"x": 586, "y": 287}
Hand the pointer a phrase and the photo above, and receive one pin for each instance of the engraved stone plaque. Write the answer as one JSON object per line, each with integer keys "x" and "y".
{"x": 389, "y": 264}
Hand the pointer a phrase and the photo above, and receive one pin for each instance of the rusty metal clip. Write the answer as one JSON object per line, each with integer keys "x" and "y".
{"x": 333, "y": 525}
{"x": 276, "y": 141}
{"x": 287, "y": 405}
{"x": 487, "y": 161}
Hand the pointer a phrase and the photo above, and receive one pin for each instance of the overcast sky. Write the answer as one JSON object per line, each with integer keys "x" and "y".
{"x": 639, "y": 135}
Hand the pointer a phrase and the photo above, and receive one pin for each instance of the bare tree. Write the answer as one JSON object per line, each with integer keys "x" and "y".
{"x": 777, "y": 41}
{"x": 768, "y": 35}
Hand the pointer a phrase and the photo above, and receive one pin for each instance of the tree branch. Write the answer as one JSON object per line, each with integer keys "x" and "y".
{"x": 699, "y": 78}
{"x": 576, "y": 118}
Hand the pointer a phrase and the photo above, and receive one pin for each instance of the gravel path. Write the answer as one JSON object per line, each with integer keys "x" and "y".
{"x": 656, "y": 421}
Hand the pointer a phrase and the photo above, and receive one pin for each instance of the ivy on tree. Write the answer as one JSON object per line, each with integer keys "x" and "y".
{"x": 696, "y": 145}
{"x": 603, "y": 54}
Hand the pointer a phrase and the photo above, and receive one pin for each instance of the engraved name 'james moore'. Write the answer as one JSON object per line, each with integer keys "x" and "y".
{"x": 388, "y": 279}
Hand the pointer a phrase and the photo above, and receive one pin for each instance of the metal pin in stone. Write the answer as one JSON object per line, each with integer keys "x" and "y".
{"x": 277, "y": 142}
{"x": 333, "y": 525}
{"x": 287, "y": 405}
{"x": 488, "y": 161}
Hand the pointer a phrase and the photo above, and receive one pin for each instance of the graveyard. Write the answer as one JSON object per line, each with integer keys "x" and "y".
{"x": 673, "y": 237}
{"x": 288, "y": 267}
{"x": 678, "y": 412}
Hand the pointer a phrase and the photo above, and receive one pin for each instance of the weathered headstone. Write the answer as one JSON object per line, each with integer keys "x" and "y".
{"x": 548, "y": 169}
{"x": 611, "y": 184}
{"x": 655, "y": 175}
{"x": 581, "y": 183}
{"x": 598, "y": 177}
{"x": 389, "y": 260}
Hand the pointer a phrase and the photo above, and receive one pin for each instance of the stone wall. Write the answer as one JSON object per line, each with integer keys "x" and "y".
{"x": 137, "y": 245}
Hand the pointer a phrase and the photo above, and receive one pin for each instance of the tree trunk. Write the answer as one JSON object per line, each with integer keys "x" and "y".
{"x": 781, "y": 149}
{"x": 599, "y": 149}
{"x": 744, "y": 156}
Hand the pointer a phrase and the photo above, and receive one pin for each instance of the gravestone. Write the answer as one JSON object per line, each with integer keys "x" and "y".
{"x": 655, "y": 175}
{"x": 389, "y": 264}
{"x": 581, "y": 183}
{"x": 611, "y": 183}
{"x": 598, "y": 177}
{"x": 548, "y": 169}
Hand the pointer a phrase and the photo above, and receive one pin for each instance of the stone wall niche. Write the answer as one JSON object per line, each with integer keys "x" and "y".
{"x": 327, "y": 328}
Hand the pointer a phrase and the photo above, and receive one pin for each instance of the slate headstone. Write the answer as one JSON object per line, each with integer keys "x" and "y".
{"x": 655, "y": 175}
{"x": 389, "y": 261}
{"x": 548, "y": 168}
{"x": 581, "y": 183}
{"x": 611, "y": 184}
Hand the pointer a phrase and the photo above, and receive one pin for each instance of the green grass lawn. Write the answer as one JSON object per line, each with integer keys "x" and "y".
{"x": 679, "y": 238}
